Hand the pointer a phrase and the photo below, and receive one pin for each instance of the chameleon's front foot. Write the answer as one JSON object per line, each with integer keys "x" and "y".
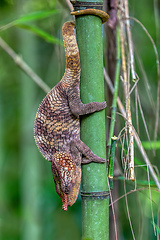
{"x": 94, "y": 159}
{"x": 88, "y": 156}
{"x": 101, "y": 105}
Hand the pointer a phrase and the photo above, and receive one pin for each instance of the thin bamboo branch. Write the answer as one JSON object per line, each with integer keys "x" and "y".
{"x": 128, "y": 103}
{"x": 112, "y": 141}
{"x": 136, "y": 106}
{"x": 136, "y": 137}
{"x": 126, "y": 84}
{"x": 70, "y": 6}
{"x": 111, "y": 160}
{"x": 133, "y": 191}
{"x": 129, "y": 35}
{"x": 22, "y": 65}
{"x": 116, "y": 84}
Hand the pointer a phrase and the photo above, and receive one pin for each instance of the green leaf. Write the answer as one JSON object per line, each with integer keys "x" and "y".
{"x": 147, "y": 145}
{"x": 29, "y": 17}
{"x": 138, "y": 182}
{"x": 46, "y": 36}
{"x": 35, "y": 16}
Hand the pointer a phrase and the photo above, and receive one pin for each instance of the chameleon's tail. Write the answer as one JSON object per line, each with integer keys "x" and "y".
{"x": 71, "y": 47}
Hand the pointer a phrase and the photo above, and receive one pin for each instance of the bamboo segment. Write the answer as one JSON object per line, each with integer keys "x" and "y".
{"x": 95, "y": 211}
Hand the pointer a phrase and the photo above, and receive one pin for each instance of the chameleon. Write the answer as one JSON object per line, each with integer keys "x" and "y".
{"x": 57, "y": 125}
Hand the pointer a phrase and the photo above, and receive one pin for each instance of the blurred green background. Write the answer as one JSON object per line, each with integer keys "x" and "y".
{"x": 29, "y": 205}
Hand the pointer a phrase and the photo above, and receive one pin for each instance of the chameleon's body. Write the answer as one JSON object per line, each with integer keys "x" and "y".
{"x": 57, "y": 125}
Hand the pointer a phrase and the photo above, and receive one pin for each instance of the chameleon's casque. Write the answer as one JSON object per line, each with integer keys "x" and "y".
{"x": 57, "y": 125}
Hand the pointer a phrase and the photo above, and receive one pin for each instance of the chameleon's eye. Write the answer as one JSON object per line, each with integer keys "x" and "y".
{"x": 66, "y": 187}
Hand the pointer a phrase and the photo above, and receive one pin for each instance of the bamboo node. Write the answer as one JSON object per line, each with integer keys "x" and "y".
{"x": 103, "y": 15}
{"x": 102, "y": 195}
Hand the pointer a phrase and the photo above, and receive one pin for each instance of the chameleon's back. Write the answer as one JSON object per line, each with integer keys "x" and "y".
{"x": 55, "y": 125}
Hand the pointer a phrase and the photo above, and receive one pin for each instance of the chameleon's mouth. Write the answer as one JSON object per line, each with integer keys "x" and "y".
{"x": 65, "y": 202}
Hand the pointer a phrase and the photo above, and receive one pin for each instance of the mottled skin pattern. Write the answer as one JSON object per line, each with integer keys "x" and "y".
{"x": 57, "y": 125}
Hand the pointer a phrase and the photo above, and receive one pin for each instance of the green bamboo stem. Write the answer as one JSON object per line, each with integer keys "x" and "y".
{"x": 95, "y": 209}
{"x": 111, "y": 160}
{"x": 111, "y": 149}
{"x": 116, "y": 84}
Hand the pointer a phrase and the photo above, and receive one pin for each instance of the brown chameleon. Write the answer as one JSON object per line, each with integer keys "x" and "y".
{"x": 57, "y": 125}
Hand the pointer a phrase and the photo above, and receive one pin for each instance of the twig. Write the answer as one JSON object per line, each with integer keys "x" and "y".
{"x": 69, "y": 5}
{"x": 21, "y": 64}
{"x": 126, "y": 84}
{"x": 130, "y": 42}
{"x": 132, "y": 191}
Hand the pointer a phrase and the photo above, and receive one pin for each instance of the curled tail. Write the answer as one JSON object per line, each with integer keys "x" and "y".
{"x": 71, "y": 47}
{"x": 72, "y": 71}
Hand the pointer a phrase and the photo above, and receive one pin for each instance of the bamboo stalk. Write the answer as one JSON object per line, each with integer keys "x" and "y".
{"x": 126, "y": 83}
{"x": 112, "y": 141}
{"x": 128, "y": 103}
{"x": 95, "y": 211}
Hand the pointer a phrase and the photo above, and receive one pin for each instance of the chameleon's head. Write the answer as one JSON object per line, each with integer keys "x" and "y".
{"x": 67, "y": 177}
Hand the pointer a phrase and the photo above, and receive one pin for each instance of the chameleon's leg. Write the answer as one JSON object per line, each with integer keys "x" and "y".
{"x": 78, "y": 108}
{"x": 88, "y": 156}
